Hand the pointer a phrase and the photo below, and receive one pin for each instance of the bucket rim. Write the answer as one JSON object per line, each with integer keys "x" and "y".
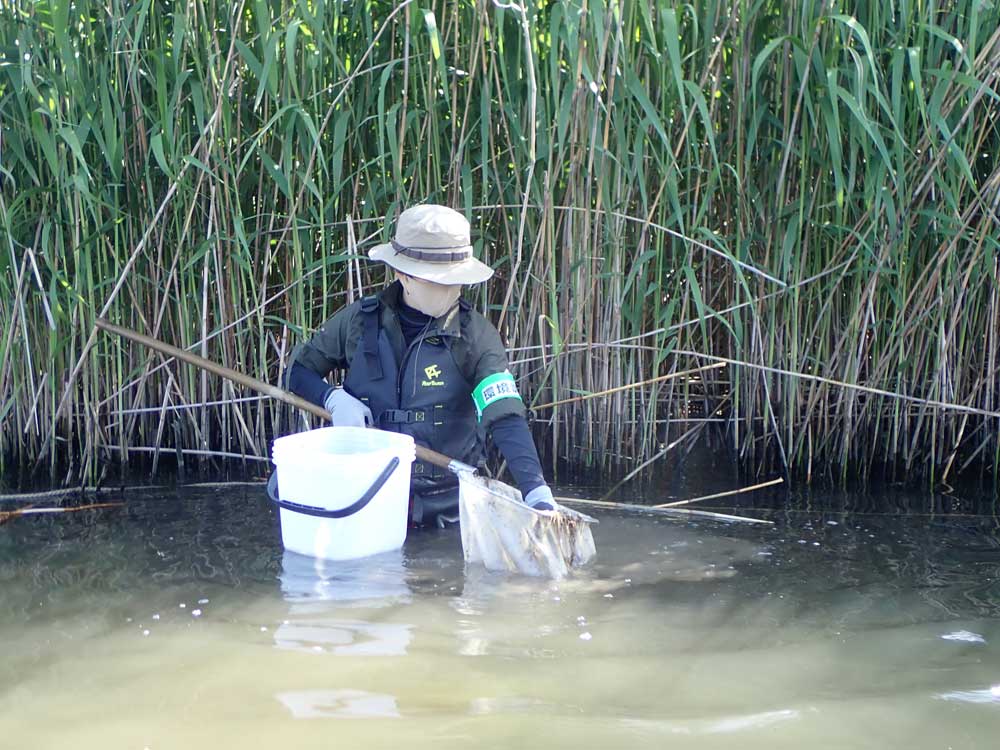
{"x": 402, "y": 442}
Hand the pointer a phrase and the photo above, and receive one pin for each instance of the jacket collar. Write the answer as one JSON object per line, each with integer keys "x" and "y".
{"x": 448, "y": 325}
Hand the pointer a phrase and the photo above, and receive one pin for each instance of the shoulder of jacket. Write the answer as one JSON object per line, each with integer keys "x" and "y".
{"x": 346, "y": 317}
{"x": 478, "y": 332}
{"x": 471, "y": 317}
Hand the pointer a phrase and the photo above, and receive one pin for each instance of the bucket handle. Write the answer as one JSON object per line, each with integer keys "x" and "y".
{"x": 350, "y": 510}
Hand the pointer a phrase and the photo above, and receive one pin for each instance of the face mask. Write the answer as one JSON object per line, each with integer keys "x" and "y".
{"x": 428, "y": 297}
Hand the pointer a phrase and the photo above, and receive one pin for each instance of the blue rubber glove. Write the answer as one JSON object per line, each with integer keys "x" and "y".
{"x": 345, "y": 410}
{"x": 541, "y": 498}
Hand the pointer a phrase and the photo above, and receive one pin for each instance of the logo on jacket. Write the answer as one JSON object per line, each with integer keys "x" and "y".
{"x": 433, "y": 372}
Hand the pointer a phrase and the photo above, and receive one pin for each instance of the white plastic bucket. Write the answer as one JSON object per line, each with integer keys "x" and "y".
{"x": 343, "y": 492}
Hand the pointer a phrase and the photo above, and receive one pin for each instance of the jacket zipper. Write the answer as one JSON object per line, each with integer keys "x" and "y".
{"x": 406, "y": 358}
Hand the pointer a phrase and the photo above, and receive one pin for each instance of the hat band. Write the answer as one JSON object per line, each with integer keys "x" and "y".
{"x": 440, "y": 255}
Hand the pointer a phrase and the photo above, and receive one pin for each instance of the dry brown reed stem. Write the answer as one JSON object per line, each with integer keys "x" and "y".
{"x": 669, "y": 447}
{"x": 198, "y": 452}
{"x": 649, "y": 224}
{"x": 632, "y": 341}
{"x": 48, "y": 494}
{"x": 630, "y": 386}
{"x": 851, "y": 386}
{"x": 728, "y": 493}
{"x": 81, "y": 491}
{"x": 658, "y": 510}
{"x": 6, "y": 516}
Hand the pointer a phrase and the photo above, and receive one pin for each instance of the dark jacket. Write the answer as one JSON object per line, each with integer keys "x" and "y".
{"x": 445, "y": 389}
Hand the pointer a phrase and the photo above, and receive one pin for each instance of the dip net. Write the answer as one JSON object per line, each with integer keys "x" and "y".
{"x": 504, "y": 534}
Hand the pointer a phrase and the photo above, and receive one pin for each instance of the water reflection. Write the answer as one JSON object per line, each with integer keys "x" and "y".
{"x": 339, "y": 704}
{"x": 826, "y": 630}
{"x": 319, "y": 591}
{"x": 963, "y": 636}
{"x": 988, "y": 695}
{"x": 726, "y": 725}
{"x": 640, "y": 560}
{"x": 377, "y": 581}
{"x": 343, "y": 637}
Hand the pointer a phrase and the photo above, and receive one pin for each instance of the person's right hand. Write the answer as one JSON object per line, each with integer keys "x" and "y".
{"x": 346, "y": 411}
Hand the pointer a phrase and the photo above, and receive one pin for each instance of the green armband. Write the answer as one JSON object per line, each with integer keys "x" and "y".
{"x": 494, "y": 388}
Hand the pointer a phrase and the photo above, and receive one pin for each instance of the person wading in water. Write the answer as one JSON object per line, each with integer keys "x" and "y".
{"x": 419, "y": 360}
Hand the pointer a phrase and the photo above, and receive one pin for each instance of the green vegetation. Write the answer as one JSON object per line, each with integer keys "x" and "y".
{"x": 780, "y": 184}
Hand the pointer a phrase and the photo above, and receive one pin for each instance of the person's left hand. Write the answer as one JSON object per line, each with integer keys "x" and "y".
{"x": 541, "y": 498}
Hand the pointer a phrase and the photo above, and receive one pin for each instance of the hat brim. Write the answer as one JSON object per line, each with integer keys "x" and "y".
{"x": 470, "y": 271}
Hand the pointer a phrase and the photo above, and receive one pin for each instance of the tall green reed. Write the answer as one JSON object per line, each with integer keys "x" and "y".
{"x": 785, "y": 185}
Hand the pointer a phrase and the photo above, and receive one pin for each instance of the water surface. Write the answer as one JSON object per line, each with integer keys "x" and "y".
{"x": 178, "y": 622}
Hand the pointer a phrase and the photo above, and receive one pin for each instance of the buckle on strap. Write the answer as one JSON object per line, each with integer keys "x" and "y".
{"x": 402, "y": 416}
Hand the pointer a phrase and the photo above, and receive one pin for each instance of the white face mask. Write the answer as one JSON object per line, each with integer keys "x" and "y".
{"x": 429, "y": 297}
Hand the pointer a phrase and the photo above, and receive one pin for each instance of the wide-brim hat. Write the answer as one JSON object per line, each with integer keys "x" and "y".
{"x": 433, "y": 243}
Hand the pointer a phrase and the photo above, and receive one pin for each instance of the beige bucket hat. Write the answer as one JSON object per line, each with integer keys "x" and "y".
{"x": 433, "y": 243}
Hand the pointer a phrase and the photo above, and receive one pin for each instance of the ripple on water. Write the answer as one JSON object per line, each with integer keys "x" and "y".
{"x": 724, "y": 725}
{"x": 339, "y": 704}
{"x": 986, "y": 695}
{"x": 964, "y": 636}
{"x": 729, "y": 636}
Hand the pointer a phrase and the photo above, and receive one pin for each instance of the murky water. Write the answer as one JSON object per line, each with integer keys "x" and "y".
{"x": 179, "y": 623}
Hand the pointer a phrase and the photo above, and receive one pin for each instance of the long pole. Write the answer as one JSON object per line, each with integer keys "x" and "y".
{"x": 424, "y": 454}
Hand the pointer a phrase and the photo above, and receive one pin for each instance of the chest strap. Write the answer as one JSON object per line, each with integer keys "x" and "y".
{"x": 369, "y": 336}
{"x": 402, "y": 416}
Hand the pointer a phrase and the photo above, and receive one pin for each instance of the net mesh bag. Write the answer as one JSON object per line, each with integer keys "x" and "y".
{"x": 504, "y": 534}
